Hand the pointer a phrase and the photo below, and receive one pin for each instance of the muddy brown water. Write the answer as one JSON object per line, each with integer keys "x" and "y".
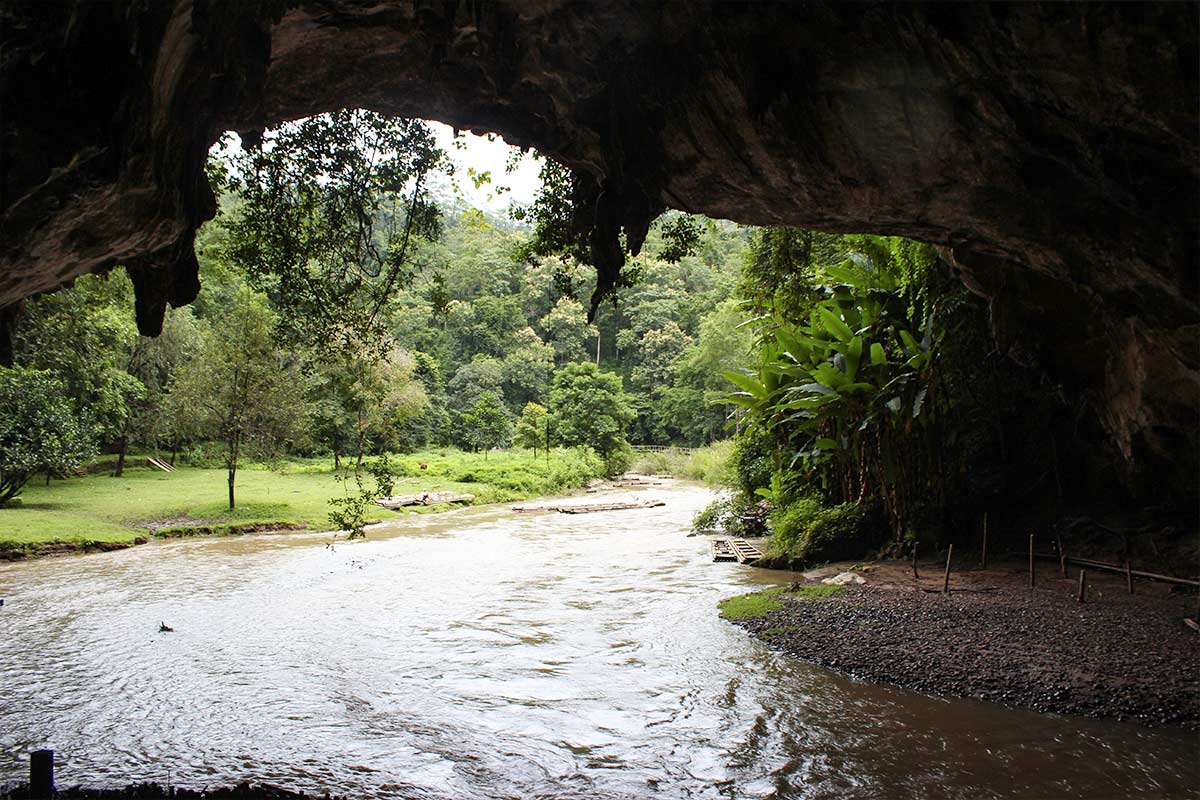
{"x": 484, "y": 654}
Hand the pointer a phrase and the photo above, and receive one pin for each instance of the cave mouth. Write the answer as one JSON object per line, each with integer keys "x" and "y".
{"x": 1052, "y": 152}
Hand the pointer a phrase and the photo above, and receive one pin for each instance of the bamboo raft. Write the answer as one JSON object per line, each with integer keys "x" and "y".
{"x": 591, "y": 507}
{"x": 722, "y": 550}
{"x": 735, "y": 550}
{"x": 423, "y": 499}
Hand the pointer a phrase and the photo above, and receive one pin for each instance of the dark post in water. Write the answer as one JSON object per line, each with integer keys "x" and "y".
{"x": 41, "y": 774}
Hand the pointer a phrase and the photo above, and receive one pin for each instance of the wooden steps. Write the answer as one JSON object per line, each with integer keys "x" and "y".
{"x": 590, "y": 507}
{"x": 735, "y": 549}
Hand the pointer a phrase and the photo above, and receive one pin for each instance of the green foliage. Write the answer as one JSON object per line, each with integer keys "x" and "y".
{"x": 238, "y": 389}
{"x": 86, "y": 336}
{"x": 810, "y": 534}
{"x": 847, "y": 392}
{"x": 591, "y": 409}
{"x": 39, "y": 430}
{"x": 485, "y": 423}
{"x": 533, "y": 428}
{"x": 312, "y": 196}
{"x": 708, "y": 464}
{"x": 349, "y": 511}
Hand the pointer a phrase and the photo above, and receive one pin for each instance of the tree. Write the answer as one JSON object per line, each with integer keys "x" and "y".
{"x": 485, "y": 424}
{"x": 527, "y": 369}
{"x": 532, "y": 428}
{"x": 238, "y": 390}
{"x": 567, "y": 330}
{"x": 39, "y": 430}
{"x": 591, "y": 408}
{"x": 86, "y": 336}
{"x": 331, "y": 209}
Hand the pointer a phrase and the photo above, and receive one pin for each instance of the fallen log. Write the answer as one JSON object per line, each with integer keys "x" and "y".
{"x": 423, "y": 499}
{"x": 590, "y": 508}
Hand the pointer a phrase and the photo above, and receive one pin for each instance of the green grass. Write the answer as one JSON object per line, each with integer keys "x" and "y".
{"x": 99, "y": 508}
{"x": 707, "y": 464}
{"x": 759, "y": 604}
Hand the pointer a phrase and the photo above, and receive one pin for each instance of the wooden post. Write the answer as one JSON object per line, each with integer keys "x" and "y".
{"x": 946, "y": 581}
{"x": 1082, "y": 585}
{"x": 1128, "y": 576}
{"x": 1062, "y": 556}
{"x": 1031, "y": 561}
{"x": 983, "y": 562}
{"x": 41, "y": 774}
{"x": 916, "y": 576}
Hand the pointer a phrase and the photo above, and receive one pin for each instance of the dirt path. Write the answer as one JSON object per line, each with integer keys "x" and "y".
{"x": 992, "y": 638}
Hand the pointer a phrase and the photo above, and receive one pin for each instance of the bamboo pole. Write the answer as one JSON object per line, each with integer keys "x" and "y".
{"x": 983, "y": 563}
{"x": 946, "y": 580}
{"x": 1062, "y": 555}
{"x": 1128, "y": 576}
{"x": 1082, "y": 585}
{"x": 915, "y": 575}
{"x": 1137, "y": 573}
{"x": 1031, "y": 561}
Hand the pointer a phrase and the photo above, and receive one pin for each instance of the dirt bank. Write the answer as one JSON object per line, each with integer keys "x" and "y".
{"x": 992, "y": 638}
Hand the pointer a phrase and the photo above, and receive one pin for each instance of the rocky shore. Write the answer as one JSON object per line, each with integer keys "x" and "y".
{"x": 1119, "y": 656}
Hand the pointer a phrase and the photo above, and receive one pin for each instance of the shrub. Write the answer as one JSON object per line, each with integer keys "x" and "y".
{"x": 808, "y": 533}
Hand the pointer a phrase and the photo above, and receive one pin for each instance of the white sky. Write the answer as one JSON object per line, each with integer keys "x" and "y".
{"x": 482, "y": 155}
{"x": 488, "y": 156}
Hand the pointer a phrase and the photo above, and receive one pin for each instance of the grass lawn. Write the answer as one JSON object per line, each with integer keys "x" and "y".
{"x": 759, "y": 604}
{"x": 99, "y": 508}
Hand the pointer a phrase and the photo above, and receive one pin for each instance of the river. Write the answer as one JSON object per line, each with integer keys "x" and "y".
{"x": 485, "y": 654}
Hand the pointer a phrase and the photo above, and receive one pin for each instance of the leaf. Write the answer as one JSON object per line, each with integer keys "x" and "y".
{"x": 919, "y": 401}
{"x": 833, "y": 324}
{"x": 751, "y": 386}
{"x": 878, "y": 357}
{"x": 826, "y": 444}
{"x": 910, "y": 344}
{"x": 894, "y": 404}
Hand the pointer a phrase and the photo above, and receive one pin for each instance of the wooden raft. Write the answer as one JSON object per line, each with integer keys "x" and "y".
{"x": 423, "y": 499}
{"x": 591, "y": 507}
{"x": 722, "y": 550}
{"x": 735, "y": 550}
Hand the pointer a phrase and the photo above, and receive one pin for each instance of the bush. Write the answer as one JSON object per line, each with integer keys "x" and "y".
{"x": 708, "y": 464}
{"x": 735, "y": 515}
{"x": 617, "y": 459}
{"x": 750, "y": 462}
{"x": 808, "y": 533}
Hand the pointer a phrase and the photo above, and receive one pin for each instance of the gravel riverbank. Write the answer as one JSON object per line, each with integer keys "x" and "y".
{"x": 992, "y": 638}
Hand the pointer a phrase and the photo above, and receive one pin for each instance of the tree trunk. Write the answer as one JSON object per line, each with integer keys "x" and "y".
{"x": 232, "y": 473}
{"x": 174, "y": 450}
{"x": 124, "y": 445}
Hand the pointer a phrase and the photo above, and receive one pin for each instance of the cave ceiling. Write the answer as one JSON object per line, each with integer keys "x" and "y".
{"x": 1050, "y": 150}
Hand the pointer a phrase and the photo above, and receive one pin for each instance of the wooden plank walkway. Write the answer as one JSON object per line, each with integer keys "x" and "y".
{"x": 735, "y": 550}
{"x": 590, "y": 508}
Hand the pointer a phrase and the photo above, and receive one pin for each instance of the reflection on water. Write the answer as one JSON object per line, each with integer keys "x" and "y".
{"x": 483, "y": 654}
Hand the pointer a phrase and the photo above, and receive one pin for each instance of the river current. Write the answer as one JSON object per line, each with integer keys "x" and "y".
{"x": 486, "y": 654}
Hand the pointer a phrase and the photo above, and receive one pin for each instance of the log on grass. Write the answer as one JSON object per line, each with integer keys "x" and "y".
{"x": 423, "y": 499}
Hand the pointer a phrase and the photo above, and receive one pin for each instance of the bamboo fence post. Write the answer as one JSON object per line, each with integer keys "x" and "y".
{"x": 946, "y": 581}
{"x": 915, "y": 575}
{"x": 983, "y": 565}
{"x": 41, "y": 774}
{"x": 1082, "y": 585}
{"x": 1031, "y": 561}
{"x": 1128, "y": 576}
{"x": 1062, "y": 555}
